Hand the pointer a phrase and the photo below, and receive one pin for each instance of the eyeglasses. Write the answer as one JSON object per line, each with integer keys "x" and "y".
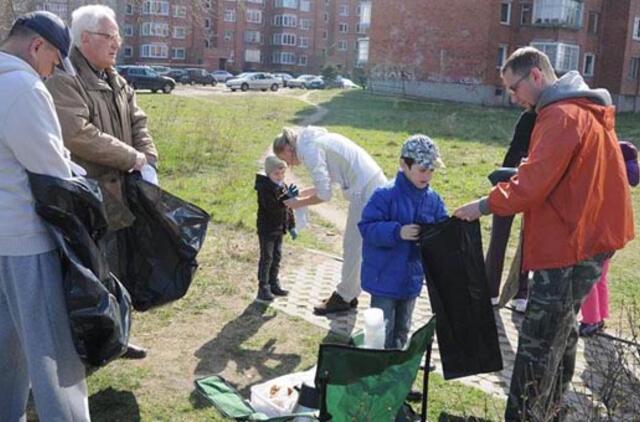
{"x": 111, "y": 37}
{"x": 513, "y": 88}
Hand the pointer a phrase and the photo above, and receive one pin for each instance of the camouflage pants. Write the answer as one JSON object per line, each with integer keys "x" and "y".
{"x": 548, "y": 338}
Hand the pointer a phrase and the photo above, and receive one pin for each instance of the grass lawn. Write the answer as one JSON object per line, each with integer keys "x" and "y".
{"x": 209, "y": 151}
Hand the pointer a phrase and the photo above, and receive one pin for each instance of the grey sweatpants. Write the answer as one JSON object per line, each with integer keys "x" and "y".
{"x": 35, "y": 343}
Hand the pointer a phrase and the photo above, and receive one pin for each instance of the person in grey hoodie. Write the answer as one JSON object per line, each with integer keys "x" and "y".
{"x": 36, "y": 348}
{"x": 576, "y": 202}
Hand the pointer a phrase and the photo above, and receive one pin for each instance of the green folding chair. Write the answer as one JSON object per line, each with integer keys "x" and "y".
{"x": 357, "y": 384}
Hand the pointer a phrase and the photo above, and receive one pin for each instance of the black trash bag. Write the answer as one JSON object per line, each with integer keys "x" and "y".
{"x": 98, "y": 305}
{"x": 503, "y": 174}
{"x": 162, "y": 244}
{"x": 459, "y": 294}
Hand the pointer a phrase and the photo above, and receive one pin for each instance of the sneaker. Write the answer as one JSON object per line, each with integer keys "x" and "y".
{"x": 587, "y": 330}
{"x": 520, "y": 305}
{"x": 134, "y": 352}
{"x": 333, "y": 304}
{"x": 264, "y": 294}
{"x": 276, "y": 290}
{"x": 495, "y": 301}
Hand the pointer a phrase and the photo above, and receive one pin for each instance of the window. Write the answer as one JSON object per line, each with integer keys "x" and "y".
{"x": 128, "y": 51}
{"x": 358, "y": 10}
{"x": 634, "y": 67}
{"x": 228, "y": 35}
{"x": 589, "y": 64}
{"x": 284, "y": 39}
{"x": 155, "y": 29}
{"x": 525, "y": 14}
{"x": 252, "y": 1}
{"x": 324, "y": 35}
{"x": 207, "y": 43}
{"x": 252, "y": 36}
{"x": 290, "y": 21}
{"x": 558, "y": 12}
{"x": 252, "y": 56}
{"x": 592, "y": 23}
{"x": 128, "y": 10}
{"x": 302, "y": 60}
{"x": 343, "y": 10}
{"x": 359, "y": 29}
{"x": 365, "y": 14}
{"x": 128, "y": 30}
{"x": 505, "y": 12}
{"x": 636, "y": 29}
{"x": 155, "y": 51}
{"x": 303, "y": 42}
{"x": 326, "y": 17}
{"x": 155, "y": 7}
{"x": 179, "y": 32}
{"x": 207, "y": 23}
{"x": 305, "y": 24}
{"x": 254, "y": 16}
{"x": 179, "y": 11}
{"x": 283, "y": 57}
{"x": 343, "y": 27}
{"x": 563, "y": 57}
{"x": 178, "y": 53}
{"x": 305, "y": 5}
{"x": 342, "y": 45}
{"x": 229, "y": 15}
{"x": 502, "y": 55}
{"x": 363, "y": 50}
{"x": 289, "y": 4}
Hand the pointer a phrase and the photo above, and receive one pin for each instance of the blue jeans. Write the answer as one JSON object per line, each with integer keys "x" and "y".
{"x": 397, "y": 316}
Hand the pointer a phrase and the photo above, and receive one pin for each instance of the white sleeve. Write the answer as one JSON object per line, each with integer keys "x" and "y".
{"x": 33, "y": 134}
{"x": 314, "y": 159}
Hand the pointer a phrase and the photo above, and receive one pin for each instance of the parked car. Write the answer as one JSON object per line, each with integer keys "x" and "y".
{"x": 221, "y": 75}
{"x": 300, "y": 81}
{"x": 143, "y": 77}
{"x": 254, "y": 80}
{"x": 315, "y": 83}
{"x": 161, "y": 70}
{"x": 196, "y": 75}
{"x": 176, "y": 74}
{"x": 285, "y": 77}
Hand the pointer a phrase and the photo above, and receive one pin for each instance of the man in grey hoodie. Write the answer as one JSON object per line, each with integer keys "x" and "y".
{"x": 36, "y": 348}
{"x": 575, "y": 198}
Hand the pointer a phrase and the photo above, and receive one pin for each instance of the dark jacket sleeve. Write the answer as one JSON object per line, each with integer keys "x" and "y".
{"x": 519, "y": 147}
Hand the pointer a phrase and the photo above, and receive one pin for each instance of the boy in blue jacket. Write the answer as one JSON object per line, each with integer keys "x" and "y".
{"x": 390, "y": 227}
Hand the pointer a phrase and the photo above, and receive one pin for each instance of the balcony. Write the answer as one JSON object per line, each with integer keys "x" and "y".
{"x": 558, "y": 13}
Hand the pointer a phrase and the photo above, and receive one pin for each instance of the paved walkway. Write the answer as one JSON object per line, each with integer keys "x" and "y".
{"x": 314, "y": 275}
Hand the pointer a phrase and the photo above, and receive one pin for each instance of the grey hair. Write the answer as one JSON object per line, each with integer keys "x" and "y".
{"x": 289, "y": 136}
{"x": 87, "y": 18}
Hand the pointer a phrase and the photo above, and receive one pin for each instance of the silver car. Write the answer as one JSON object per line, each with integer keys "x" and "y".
{"x": 255, "y": 80}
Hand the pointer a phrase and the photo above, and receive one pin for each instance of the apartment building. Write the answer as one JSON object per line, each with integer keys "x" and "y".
{"x": 296, "y": 36}
{"x": 457, "y": 46}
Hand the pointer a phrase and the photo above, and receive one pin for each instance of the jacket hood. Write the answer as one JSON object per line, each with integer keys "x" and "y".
{"x": 263, "y": 181}
{"x": 569, "y": 86}
{"x": 11, "y": 63}
{"x": 311, "y": 132}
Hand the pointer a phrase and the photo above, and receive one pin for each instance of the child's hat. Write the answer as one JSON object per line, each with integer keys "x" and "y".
{"x": 423, "y": 151}
{"x": 272, "y": 163}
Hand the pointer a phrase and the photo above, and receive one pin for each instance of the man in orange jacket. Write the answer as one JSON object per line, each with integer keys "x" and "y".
{"x": 574, "y": 194}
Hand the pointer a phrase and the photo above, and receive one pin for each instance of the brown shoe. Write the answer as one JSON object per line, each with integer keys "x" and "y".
{"x": 334, "y": 304}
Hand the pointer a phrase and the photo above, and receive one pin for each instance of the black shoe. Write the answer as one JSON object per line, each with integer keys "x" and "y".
{"x": 335, "y": 303}
{"x": 264, "y": 294}
{"x": 587, "y": 330}
{"x": 276, "y": 290}
{"x": 134, "y": 352}
{"x": 354, "y": 303}
{"x": 414, "y": 395}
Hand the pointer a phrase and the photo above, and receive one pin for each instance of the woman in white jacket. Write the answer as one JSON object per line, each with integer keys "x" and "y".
{"x": 334, "y": 159}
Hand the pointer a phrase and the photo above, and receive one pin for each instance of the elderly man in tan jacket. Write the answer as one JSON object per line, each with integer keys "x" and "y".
{"x": 102, "y": 125}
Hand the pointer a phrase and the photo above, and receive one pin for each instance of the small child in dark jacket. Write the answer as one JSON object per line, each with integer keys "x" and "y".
{"x": 274, "y": 220}
{"x": 390, "y": 227}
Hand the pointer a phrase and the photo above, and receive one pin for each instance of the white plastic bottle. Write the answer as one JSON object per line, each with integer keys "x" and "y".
{"x": 374, "y": 329}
